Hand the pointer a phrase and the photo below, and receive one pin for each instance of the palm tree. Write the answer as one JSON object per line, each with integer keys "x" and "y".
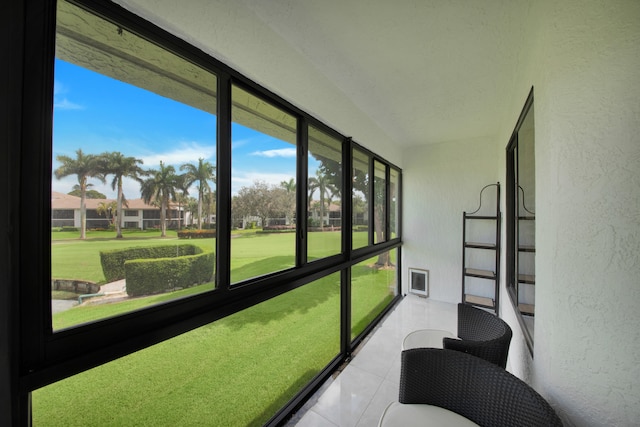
{"x": 107, "y": 209}
{"x": 160, "y": 187}
{"x": 209, "y": 205}
{"x": 290, "y": 185}
{"x": 192, "y": 208}
{"x": 90, "y": 194}
{"x": 203, "y": 173}
{"x": 290, "y": 199}
{"x": 182, "y": 197}
{"x": 120, "y": 167}
{"x": 323, "y": 184}
{"x": 84, "y": 166}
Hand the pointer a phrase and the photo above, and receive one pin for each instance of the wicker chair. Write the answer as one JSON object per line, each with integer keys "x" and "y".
{"x": 473, "y": 388}
{"x": 481, "y": 334}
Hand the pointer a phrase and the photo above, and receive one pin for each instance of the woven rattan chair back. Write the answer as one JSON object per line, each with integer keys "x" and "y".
{"x": 472, "y": 387}
{"x": 481, "y": 334}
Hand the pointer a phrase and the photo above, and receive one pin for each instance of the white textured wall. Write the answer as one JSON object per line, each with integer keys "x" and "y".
{"x": 440, "y": 182}
{"x": 587, "y": 340}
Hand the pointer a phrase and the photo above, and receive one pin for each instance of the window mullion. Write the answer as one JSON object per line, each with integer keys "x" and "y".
{"x": 301, "y": 191}
{"x": 372, "y": 201}
{"x": 223, "y": 184}
{"x": 347, "y": 203}
{"x": 387, "y": 202}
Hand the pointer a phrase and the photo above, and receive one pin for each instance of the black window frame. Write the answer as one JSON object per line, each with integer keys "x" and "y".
{"x": 42, "y": 356}
{"x": 513, "y": 217}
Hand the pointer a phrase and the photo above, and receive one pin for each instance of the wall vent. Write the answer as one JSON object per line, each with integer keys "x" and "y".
{"x": 419, "y": 282}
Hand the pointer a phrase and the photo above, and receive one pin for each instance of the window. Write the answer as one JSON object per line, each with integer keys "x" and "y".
{"x": 202, "y": 377}
{"x": 521, "y": 219}
{"x": 119, "y": 115}
{"x": 360, "y": 198}
{"x": 373, "y": 286}
{"x": 264, "y": 155}
{"x": 380, "y": 202}
{"x": 324, "y": 188}
{"x": 394, "y": 198}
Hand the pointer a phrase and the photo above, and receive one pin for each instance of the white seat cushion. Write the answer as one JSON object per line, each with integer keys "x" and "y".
{"x": 410, "y": 415}
{"x": 425, "y": 338}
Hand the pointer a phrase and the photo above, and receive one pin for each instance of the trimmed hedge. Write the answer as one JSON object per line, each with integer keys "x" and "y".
{"x": 277, "y": 229}
{"x": 152, "y": 276}
{"x": 113, "y": 261}
{"x": 196, "y": 234}
{"x": 325, "y": 228}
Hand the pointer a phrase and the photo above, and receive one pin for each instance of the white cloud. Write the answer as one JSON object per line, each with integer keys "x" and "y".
{"x": 281, "y": 152}
{"x": 246, "y": 179}
{"x": 65, "y": 104}
{"x": 184, "y": 152}
{"x": 60, "y": 88}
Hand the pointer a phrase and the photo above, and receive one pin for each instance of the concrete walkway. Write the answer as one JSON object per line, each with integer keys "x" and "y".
{"x": 58, "y": 305}
{"x": 112, "y": 291}
{"x": 119, "y": 287}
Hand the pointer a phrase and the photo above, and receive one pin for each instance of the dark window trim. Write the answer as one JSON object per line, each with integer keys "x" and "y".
{"x": 510, "y": 199}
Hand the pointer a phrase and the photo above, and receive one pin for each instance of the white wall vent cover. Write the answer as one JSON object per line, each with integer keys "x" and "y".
{"x": 419, "y": 282}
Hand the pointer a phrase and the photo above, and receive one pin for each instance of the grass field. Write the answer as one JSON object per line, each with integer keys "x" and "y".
{"x": 237, "y": 371}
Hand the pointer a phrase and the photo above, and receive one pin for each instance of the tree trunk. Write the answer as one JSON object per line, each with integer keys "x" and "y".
{"x": 321, "y": 209}
{"x": 384, "y": 260}
{"x": 119, "y": 211}
{"x": 200, "y": 210}
{"x": 83, "y": 212}
{"x": 163, "y": 216}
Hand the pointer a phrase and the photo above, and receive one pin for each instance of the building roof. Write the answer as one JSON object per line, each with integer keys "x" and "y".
{"x": 67, "y": 201}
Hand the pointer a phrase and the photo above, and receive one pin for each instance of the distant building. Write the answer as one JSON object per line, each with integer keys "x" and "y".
{"x": 65, "y": 211}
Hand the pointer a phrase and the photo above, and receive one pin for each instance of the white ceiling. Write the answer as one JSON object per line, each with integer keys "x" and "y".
{"x": 418, "y": 71}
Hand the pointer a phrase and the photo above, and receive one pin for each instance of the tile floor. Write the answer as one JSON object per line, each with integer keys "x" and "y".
{"x": 360, "y": 393}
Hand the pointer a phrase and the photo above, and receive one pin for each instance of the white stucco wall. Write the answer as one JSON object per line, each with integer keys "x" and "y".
{"x": 587, "y": 80}
{"x": 440, "y": 182}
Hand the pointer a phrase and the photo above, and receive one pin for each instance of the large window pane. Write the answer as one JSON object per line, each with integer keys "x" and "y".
{"x": 373, "y": 286}
{"x": 237, "y": 371}
{"x": 360, "y": 199}
{"x": 380, "y": 205}
{"x": 325, "y": 195}
{"x": 263, "y": 186}
{"x": 128, "y": 116}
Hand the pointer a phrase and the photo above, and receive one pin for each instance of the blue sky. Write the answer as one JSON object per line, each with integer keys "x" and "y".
{"x": 98, "y": 114}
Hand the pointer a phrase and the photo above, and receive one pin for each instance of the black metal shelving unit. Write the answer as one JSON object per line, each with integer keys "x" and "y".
{"x": 489, "y": 297}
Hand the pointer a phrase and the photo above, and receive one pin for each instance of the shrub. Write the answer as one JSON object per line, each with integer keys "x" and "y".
{"x": 196, "y": 234}
{"x": 313, "y": 222}
{"x": 113, "y": 261}
{"x": 325, "y": 228}
{"x": 152, "y": 276}
{"x": 278, "y": 229}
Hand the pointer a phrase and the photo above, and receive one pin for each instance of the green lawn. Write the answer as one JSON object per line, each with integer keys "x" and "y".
{"x": 237, "y": 371}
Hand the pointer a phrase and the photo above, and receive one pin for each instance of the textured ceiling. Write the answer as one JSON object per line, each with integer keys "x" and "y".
{"x": 420, "y": 71}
